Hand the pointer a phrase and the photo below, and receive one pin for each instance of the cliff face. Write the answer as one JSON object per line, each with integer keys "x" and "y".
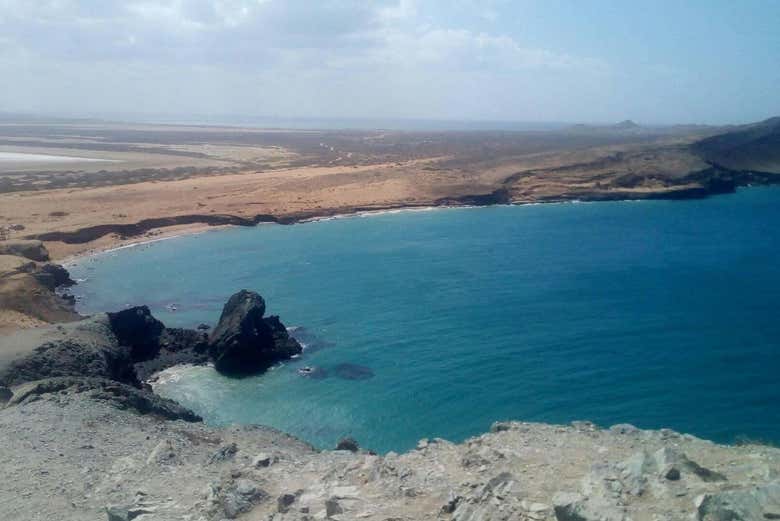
{"x": 27, "y": 286}
{"x": 105, "y": 460}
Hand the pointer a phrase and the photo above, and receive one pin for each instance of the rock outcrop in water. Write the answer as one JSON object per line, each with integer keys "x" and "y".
{"x": 244, "y": 342}
{"x": 130, "y": 345}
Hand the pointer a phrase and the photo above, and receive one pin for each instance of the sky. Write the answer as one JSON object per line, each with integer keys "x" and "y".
{"x": 597, "y": 61}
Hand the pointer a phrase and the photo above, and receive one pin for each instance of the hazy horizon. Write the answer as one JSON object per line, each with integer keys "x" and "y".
{"x": 494, "y": 61}
{"x": 333, "y": 123}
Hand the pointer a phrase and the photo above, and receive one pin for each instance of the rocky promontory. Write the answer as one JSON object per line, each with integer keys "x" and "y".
{"x": 129, "y": 345}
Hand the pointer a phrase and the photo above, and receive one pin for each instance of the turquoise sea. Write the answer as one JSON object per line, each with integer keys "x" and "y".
{"x": 656, "y": 313}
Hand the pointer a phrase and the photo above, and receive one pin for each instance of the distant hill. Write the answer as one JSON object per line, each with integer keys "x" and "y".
{"x": 625, "y": 125}
{"x": 754, "y": 147}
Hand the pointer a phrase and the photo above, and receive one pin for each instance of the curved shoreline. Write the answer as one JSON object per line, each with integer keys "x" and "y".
{"x": 143, "y": 444}
{"x": 201, "y": 222}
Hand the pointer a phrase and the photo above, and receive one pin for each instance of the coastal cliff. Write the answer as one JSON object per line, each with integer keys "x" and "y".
{"x": 28, "y": 283}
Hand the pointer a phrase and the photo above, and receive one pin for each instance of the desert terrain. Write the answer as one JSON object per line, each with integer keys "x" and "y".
{"x": 121, "y": 181}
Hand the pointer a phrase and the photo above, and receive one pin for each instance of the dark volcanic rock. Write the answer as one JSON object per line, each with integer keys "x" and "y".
{"x": 137, "y": 329}
{"x": 71, "y": 358}
{"x": 353, "y": 371}
{"x": 283, "y": 342}
{"x": 5, "y": 395}
{"x": 87, "y": 348}
{"x": 349, "y": 444}
{"x": 119, "y": 395}
{"x": 243, "y": 342}
{"x": 52, "y": 276}
{"x": 177, "y": 346}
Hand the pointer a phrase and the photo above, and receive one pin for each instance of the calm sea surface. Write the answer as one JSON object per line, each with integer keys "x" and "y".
{"x": 660, "y": 314}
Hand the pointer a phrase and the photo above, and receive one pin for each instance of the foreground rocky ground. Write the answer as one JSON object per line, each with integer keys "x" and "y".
{"x": 77, "y": 454}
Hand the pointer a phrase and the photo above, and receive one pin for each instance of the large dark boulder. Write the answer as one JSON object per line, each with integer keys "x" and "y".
{"x": 137, "y": 329}
{"x": 243, "y": 342}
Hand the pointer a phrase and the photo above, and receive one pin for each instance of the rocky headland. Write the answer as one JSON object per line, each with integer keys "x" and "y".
{"x": 84, "y": 437}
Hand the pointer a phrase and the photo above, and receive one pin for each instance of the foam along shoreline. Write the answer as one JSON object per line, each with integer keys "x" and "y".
{"x": 497, "y": 197}
{"x": 197, "y": 223}
{"x": 204, "y": 227}
{"x": 72, "y": 260}
{"x": 22, "y": 157}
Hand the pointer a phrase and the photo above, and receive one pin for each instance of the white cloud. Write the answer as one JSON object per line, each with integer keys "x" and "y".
{"x": 201, "y": 30}
{"x": 332, "y": 57}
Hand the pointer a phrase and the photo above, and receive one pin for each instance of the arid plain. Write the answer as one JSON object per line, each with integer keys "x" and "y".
{"x": 122, "y": 182}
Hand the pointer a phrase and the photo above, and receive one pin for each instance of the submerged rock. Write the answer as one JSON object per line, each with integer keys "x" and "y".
{"x": 243, "y": 342}
{"x": 349, "y": 371}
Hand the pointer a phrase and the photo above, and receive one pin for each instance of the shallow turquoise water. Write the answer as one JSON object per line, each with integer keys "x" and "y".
{"x": 660, "y": 314}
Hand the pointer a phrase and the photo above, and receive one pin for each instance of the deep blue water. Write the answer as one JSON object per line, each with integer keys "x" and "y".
{"x": 659, "y": 313}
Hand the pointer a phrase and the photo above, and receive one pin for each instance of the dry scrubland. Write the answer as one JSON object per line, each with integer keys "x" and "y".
{"x": 175, "y": 178}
